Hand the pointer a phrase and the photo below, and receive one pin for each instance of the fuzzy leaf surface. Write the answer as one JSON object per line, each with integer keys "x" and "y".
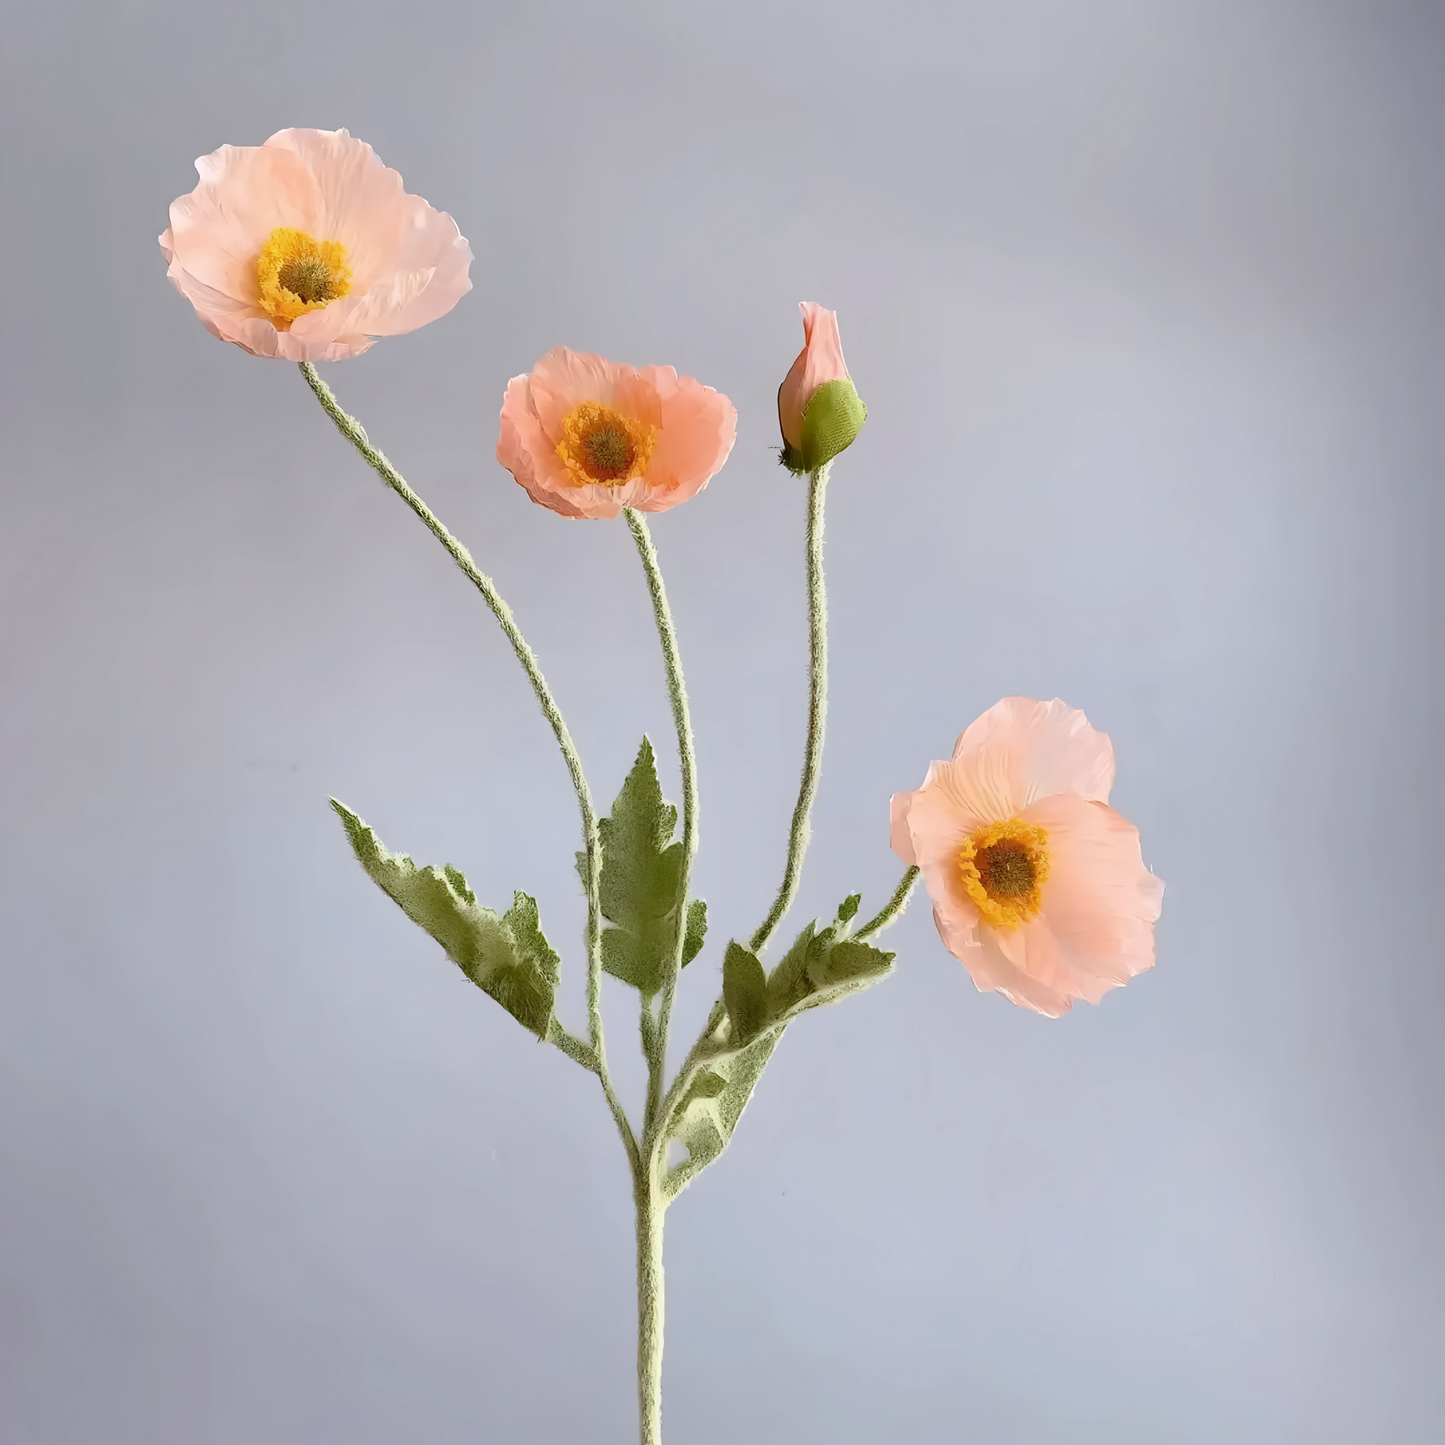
{"x": 640, "y": 887}
{"x": 822, "y": 966}
{"x": 506, "y": 956}
{"x": 709, "y": 1112}
{"x": 696, "y": 930}
{"x": 745, "y": 993}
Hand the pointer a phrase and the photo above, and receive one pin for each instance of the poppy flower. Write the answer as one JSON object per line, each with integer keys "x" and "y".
{"x": 1038, "y": 886}
{"x": 587, "y": 436}
{"x": 307, "y": 248}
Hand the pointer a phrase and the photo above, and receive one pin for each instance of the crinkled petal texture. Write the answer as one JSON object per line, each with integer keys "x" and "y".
{"x": 820, "y": 361}
{"x": 1043, "y": 764}
{"x": 408, "y": 263}
{"x": 692, "y": 429}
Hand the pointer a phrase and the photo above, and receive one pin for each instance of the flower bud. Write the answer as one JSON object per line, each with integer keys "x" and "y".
{"x": 819, "y": 410}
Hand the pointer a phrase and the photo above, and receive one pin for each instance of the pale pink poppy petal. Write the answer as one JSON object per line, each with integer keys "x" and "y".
{"x": 900, "y": 838}
{"x": 1029, "y": 749}
{"x": 361, "y": 202}
{"x": 823, "y": 349}
{"x": 981, "y": 787}
{"x": 790, "y": 401}
{"x": 992, "y": 969}
{"x": 954, "y": 914}
{"x": 563, "y": 379}
{"x": 245, "y": 193}
{"x": 382, "y": 311}
{"x": 447, "y": 280}
{"x": 699, "y": 427}
{"x": 819, "y": 362}
{"x": 1100, "y": 902}
{"x": 334, "y": 333}
{"x": 937, "y": 826}
{"x": 527, "y": 452}
{"x": 206, "y": 299}
{"x": 514, "y": 449}
{"x": 1036, "y": 953}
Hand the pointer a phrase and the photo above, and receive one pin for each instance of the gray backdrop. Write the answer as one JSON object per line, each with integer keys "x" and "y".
{"x": 1146, "y": 303}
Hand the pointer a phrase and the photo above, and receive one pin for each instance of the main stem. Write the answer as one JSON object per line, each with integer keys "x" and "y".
{"x": 682, "y": 722}
{"x": 647, "y": 1191}
{"x": 817, "y": 711}
{"x": 650, "y": 1210}
{"x": 355, "y": 433}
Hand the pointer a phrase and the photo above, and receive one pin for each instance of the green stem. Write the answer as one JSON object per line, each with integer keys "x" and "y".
{"x": 353, "y": 431}
{"x": 817, "y": 710}
{"x": 650, "y": 1210}
{"x": 682, "y": 721}
{"x": 892, "y": 908}
{"x": 572, "y": 1046}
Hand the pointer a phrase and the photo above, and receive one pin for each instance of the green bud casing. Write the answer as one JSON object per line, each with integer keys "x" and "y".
{"x": 831, "y": 421}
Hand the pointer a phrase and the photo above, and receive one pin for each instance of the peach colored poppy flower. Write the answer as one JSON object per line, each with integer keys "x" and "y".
{"x": 1038, "y": 886}
{"x": 307, "y": 248}
{"x": 588, "y": 437}
{"x": 819, "y": 411}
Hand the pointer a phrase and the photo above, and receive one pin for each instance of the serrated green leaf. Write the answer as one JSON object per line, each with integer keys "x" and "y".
{"x": 745, "y": 993}
{"x": 641, "y": 880}
{"x": 709, "y": 1112}
{"x": 846, "y": 967}
{"x": 507, "y": 957}
{"x": 696, "y": 930}
{"x": 788, "y": 983}
{"x": 622, "y": 959}
{"x": 822, "y": 966}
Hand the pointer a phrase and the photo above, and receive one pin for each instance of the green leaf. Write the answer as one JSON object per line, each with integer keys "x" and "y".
{"x": 788, "y": 983}
{"x": 847, "y": 967}
{"x": 641, "y": 883}
{"x": 506, "y": 957}
{"x": 822, "y": 966}
{"x": 709, "y": 1111}
{"x": 745, "y": 992}
{"x": 696, "y": 930}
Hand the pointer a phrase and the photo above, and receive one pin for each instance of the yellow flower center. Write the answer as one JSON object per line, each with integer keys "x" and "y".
{"x": 298, "y": 274}
{"x": 601, "y": 445}
{"x": 1003, "y": 867}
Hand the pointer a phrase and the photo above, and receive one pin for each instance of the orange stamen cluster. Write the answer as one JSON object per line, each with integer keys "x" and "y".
{"x": 1003, "y": 867}
{"x": 297, "y": 273}
{"x": 601, "y": 445}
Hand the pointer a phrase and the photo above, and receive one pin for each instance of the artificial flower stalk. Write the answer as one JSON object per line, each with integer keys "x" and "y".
{"x": 307, "y": 249}
{"x": 654, "y": 1035}
{"x": 799, "y": 830}
{"x": 819, "y": 414}
{"x": 594, "y": 1058}
{"x": 646, "y": 1192}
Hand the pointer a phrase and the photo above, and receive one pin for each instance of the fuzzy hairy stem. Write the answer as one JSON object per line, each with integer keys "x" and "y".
{"x": 890, "y": 910}
{"x": 572, "y": 1046}
{"x": 355, "y": 433}
{"x": 650, "y": 1210}
{"x": 817, "y": 711}
{"x": 682, "y": 722}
